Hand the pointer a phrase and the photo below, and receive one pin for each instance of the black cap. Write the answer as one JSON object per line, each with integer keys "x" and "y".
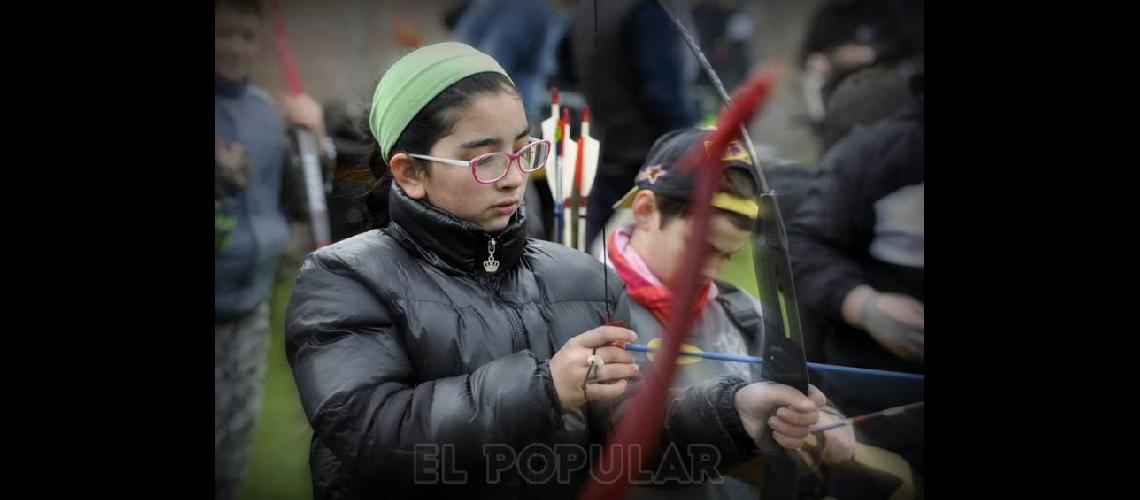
{"x": 659, "y": 173}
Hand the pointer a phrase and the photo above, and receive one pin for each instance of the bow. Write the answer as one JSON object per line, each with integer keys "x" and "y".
{"x": 784, "y": 358}
{"x": 647, "y": 409}
{"x": 306, "y": 143}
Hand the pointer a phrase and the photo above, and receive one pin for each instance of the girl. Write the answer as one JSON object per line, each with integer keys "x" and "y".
{"x": 432, "y": 350}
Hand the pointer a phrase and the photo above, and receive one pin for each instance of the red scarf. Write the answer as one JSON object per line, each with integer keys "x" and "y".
{"x": 652, "y": 295}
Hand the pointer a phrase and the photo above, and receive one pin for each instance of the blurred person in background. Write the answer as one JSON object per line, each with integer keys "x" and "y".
{"x": 861, "y": 99}
{"x": 858, "y": 257}
{"x": 638, "y": 80}
{"x": 257, "y": 192}
{"x": 845, "y": 36}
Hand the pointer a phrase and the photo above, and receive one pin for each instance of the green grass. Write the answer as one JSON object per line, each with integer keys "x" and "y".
{"x": 739, "y": 271}
{"x": 279, "y": 465}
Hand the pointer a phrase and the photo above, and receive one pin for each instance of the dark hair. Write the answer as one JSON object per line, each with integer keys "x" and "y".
{"x": 862, "y": 98}
{"x": 431, "y": 123}
{"x": 733, "y": 182}
{"x": 253, "y": 6}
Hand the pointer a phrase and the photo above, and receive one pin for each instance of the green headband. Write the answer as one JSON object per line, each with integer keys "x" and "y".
{"x": 415, "y": 80}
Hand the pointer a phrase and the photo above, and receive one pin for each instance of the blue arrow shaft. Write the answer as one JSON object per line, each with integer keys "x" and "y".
{"x": 740, "y": 358}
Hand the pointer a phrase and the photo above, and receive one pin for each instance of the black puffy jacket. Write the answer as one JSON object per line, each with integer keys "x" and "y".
{"x": 401, "y": 341}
